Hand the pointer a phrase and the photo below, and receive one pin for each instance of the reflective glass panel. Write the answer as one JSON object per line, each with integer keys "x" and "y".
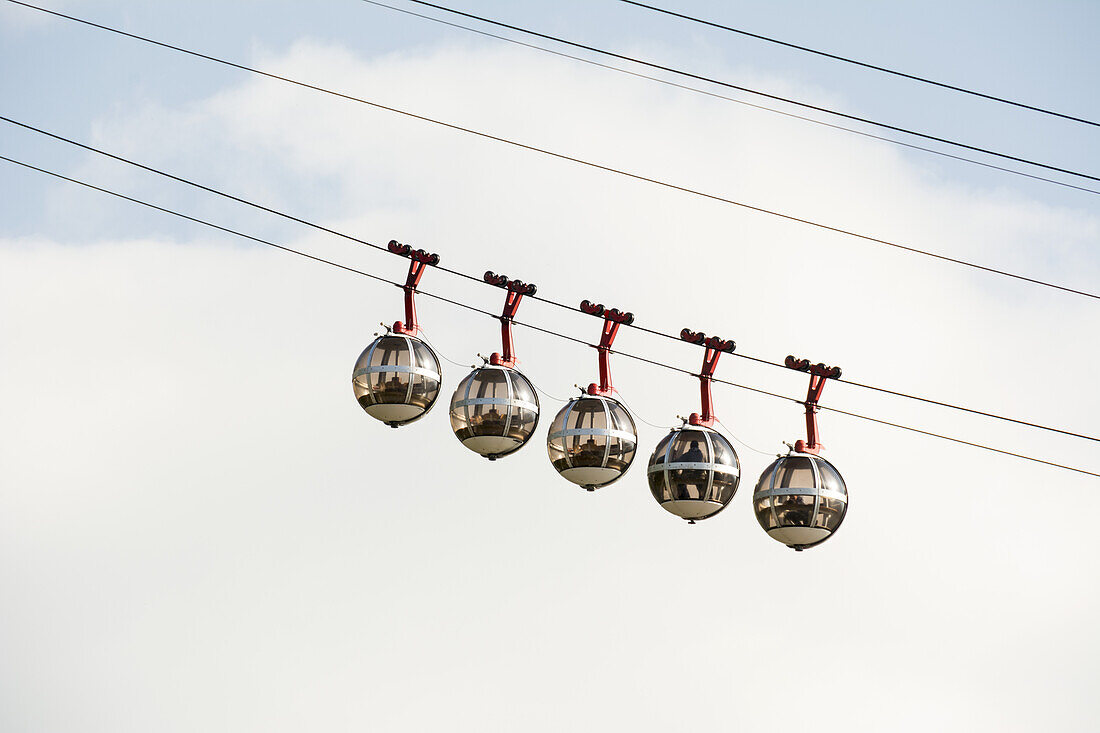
{"x": 588, "y": 447}
{"x": 688, "y": 483}
{"x": 657, "y": 487}
{"x": 390, "y": 387}
{"x": 797, "y": 472}
{"x": 830, "y": 513}
{"x": 425, "y": 357}
{"x": 522, "y": 389}
{"x": 425, "y": 386}
{"x": 657, "y": 480}
{"x": 723, "y": 451}
{"x": 690, "y": 446}
{"x": 523, "y": 424}
{"x": 622, "y": 449}
{"x": 559, "y": 419}
{"x": 830, "y": 477}
{"x": 724, "y": 485}
{"x": 765, "y": 481}
{"x": 555, "y": 447}
{"x": 794, "y": 510}
{"x": 524, "y": 419}
{"x": 764, "y": 515}
{"x": 557, "y": 455}
{"x": 459, "y": 424}
{"x": 360, "y": 383}
{"x": 489, "y": 418}
{"x": 658, "y": 456}
{"x": 620, "y": 418}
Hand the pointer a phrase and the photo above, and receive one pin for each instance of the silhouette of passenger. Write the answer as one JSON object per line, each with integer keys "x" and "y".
{"x": 693, "y": 481}
{"x": 796, "y": 510}
{"x": 693, "y": 454}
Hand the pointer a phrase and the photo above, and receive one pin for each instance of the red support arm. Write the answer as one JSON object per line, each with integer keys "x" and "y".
{"x": 612, "y": 319}
{"x": 420, "y": 260}
{"x": 715, "y": 347}
{"x": 516, "y": 290}
{"x": 819, "y": 373}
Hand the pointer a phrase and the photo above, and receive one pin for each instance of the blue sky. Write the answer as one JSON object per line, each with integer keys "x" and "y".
{"x": 1036, "y": 53}
{"x": 200, "y": 529}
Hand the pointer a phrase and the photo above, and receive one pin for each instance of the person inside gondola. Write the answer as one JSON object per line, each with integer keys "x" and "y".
{"x": 693, "y": 454}
{"x": 694, "y": 480}
{"x": 795, "y": 510}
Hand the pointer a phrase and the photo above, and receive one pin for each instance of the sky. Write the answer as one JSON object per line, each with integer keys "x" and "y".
{"x": 201, "y": 530}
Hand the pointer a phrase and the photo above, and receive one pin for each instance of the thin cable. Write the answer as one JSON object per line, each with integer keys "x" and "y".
{"x": 216, "y": 192}
{"x": 572, "y": 159}
{"x": 543, "y": 392}
{"x": 716, "y": 95}
{"x": 953, "y": 440}
{"x": 971, "y": 410}
{"x": 730, "y": 433}
{"x": 475, "y": 309}
{"x": 864, "y": 64}
{"x": 635, "y": 413}
{"x": 728, "y": 85}
{"x": 461, "y": 274}
{"x": 200, "y": 221}
{"x": 436, "y": 349}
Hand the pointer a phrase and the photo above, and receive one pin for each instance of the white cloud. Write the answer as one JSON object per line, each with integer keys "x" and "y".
{"x": 199, "y": 528}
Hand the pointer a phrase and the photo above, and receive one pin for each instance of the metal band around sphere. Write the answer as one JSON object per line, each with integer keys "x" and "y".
{"x": 497, "y": 401}
{"x": 503, "y": 394}
{"x": 827, "y": 493}
{"x": 422, "y": 371}
{"x": 610, "y": 409}
{"x": 817, "y": 491}
{"x": 696, "y": 466}
{"x": 621, "y": 434}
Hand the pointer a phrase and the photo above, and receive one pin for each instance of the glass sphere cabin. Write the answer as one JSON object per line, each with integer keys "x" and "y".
{"x": 592, "y": 441}
{"x": 693, "y": 473}
{"x": 396, "y": 379}
{"x": 494, "y": 411}
{"x": 800, "y": 500}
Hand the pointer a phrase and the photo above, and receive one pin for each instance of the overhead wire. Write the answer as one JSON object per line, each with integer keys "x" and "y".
{"x": 434, "y": 347}
{"x": 459, "y": 273}
{"x": 864, "y": 64}
{"x": 543, "y": 392}
{"x": 716, "y": 95}
{"x": 532, "y": 326}
{"x": 562, "y": 156}
{"x": 935, "y": 435}
{"x": 727, "y": 431}
{"x": 638, "y": 415}
{"x": 757, "y": 92}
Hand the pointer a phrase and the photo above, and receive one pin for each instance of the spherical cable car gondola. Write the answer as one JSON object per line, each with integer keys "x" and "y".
{"x": 494, "y": 410}
{"x": 397, "y": 377}
{"x": 694, "y": 471}
{"x": 593, "y": 439}
{"x": 801, "y": 499}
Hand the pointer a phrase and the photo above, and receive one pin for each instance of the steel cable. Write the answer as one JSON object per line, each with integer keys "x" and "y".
{"x": 541, "y": 329}
{"x": 542, "y": 299}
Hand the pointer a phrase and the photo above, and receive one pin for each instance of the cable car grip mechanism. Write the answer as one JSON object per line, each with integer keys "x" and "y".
{"x": 516, "y": 290}
{"x": 715, "y": 347}
{"x": 612, "y": 319}
{"x": 819, "y": 374}
{"x": 420, "y": 260}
